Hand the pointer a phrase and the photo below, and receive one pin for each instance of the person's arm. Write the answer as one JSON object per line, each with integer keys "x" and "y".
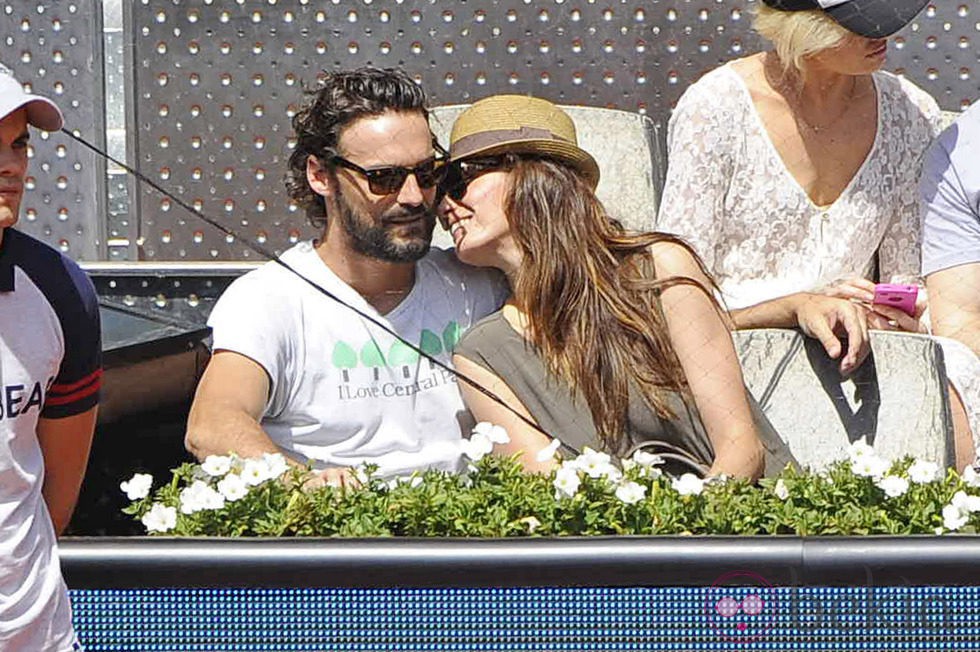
{"x": 954, "y": 298}
{"x": 65, "y": 445}
{"x": 524, "y": 439}
{"x": 950, "y": 197}
{"x": 699, "y": 171}
{"x": 900, "y": 249}
{"x": 703, "y": 344}
{"x": 825, "y": 318}
{"x": 226, "y": 412}
{"x": 227, "y": 408}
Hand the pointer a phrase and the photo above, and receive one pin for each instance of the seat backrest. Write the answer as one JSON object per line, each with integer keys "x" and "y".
{"x": 898, "y": 399}
{"x": 624, "y": 144}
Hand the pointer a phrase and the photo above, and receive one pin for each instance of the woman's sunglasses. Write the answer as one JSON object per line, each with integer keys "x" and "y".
{"x": 459, "y": 174}
{"x": 390, "y": 179}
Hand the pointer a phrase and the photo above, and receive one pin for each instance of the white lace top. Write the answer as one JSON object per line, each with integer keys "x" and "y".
{"x": 729, "y": 194}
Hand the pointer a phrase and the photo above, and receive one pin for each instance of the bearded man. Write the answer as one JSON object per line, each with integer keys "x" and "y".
{"x": 296, "y": 372}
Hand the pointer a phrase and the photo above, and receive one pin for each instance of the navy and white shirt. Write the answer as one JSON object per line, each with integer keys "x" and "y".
{"x": 50, "y": 367}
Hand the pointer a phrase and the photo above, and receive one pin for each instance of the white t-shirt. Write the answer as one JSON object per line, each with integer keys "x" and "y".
{"x": 50, "y": 367}
{"x": 344, "y": 392}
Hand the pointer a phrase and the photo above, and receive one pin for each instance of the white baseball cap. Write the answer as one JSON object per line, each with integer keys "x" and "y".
{"x": 41, "y": 112}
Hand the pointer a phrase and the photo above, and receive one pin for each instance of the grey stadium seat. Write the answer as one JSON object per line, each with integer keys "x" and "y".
{"x": 898, "y": 399}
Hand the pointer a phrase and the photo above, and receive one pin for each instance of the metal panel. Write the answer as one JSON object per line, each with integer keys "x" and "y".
{"x": 56, "y": 48}
{"x": 532, "y": 561}
{"x": 215, "y": 83}
{"x": 941, "y": 52}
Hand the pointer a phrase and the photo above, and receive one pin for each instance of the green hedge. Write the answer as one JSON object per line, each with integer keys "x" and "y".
{"x": 592, "y": 495}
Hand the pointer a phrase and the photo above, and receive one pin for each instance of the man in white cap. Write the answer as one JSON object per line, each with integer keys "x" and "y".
{"x": 50, "y": 375}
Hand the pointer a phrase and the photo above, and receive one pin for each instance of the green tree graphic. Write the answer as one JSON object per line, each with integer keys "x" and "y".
{"x": 450, "y": 335}
{"x": 401, "y": 354}
{"x": 344, "y": 357}
{"x": 371, "y": 356}
{"x": 430, "y": 345}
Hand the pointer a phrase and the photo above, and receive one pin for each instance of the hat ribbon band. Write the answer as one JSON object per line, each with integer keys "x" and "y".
{"x": 485, "y": 139}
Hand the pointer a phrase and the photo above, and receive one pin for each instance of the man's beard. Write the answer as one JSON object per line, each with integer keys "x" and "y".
{"x": 376, "y": 241}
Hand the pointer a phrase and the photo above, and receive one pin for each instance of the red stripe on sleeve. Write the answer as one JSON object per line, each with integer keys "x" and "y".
{"x": 65, "y": 399}
{"x": 59, "y": 388}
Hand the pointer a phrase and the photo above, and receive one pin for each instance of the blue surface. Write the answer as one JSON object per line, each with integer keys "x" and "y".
{"x": 880, "y": 618}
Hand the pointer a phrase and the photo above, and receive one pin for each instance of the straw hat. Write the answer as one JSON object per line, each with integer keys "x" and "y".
{"x": 520, "y": 125}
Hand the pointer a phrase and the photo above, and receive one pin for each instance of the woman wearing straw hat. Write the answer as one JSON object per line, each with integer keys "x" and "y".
{"x": 796, "y": 169}
{"x": 609, "y": 339}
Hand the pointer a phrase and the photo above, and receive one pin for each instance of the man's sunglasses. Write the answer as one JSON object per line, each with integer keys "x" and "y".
{"x": 459, "y": 174}
{"x": 390, "y": 179}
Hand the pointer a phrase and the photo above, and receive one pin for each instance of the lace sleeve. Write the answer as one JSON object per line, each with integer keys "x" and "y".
{"x": 698, "y": 172}
{"x": 899, "y": 254}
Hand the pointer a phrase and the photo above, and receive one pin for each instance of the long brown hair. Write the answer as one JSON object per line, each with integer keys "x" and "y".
{"x": 589, "y": 290}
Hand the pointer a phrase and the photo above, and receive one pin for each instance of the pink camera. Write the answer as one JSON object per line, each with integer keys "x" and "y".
{"x": 897, "y": 296}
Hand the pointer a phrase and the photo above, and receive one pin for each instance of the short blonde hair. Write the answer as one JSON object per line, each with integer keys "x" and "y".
{"x": 797, "y": 34}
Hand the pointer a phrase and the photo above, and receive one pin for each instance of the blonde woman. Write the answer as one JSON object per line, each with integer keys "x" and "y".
{"x": 796, "y": 169}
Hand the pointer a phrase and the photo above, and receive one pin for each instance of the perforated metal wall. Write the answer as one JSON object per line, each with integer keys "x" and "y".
{"x": 55, "y": 47}
{"x": 216, "y": 82}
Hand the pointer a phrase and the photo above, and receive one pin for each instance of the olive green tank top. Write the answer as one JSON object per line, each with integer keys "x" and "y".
{"x": 495, "y": 345}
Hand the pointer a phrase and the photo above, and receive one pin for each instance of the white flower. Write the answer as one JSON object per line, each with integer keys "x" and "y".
{"x": 957, "y": 512}
{"x": 160, "y": 518}
{"x": 477, "y": 446}
{"x": 138, "y": 486}
{"x": 548, "y": 452}
{"x": 922, "y": 472}
{"x": 939, "y": 530}
{"x": 860, "y": 449}
{"x": 190, "y": 500}
{"x": 953, "y": 518}
{"x": 594, "y": 463}
{"x": 200, "y": 496}
{"x": 971, "y": 477}
{"x": 643, "y": 471}
{"x": 532, "y": 523}
{"x": 255, "y": 471}
{"x": 275, "y": 464}
{"x": 496, "y": 434}
{"x": 893, "y": 486}
{"x": 567, "y": 481}
{"x": 965, "y": 502}
{"x": 781, "y": 491}
{"x": 610, "y": 472}
{"x": 232, "y": 487}
{"x": 688, "y": 485}
{"x": 646, "y": 459}
{"x": 216, "y": 465}
{"x": 630, "y": 492}
{"x": 870, "y": 466}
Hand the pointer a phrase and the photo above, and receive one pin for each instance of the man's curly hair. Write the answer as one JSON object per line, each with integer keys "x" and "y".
{"x": 340, "y": 99}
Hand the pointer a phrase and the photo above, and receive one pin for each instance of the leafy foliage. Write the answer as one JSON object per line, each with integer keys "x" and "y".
{"x": 495, "y": 498}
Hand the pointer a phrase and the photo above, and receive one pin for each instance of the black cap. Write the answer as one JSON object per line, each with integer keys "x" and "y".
{"x": 870, "y": 18}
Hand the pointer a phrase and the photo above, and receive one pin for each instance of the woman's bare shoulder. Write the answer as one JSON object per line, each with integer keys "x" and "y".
{"x": 673, "y": 259}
